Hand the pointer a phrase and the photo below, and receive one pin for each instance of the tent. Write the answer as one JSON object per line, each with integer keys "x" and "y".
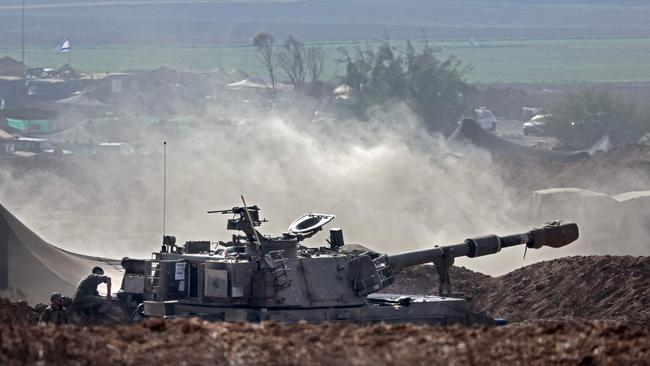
{"x": 6, "y": 136}
{"x": 26, "y": 125}
{"x": 570, "y": 203}
{"x": 11, "y": 67}
{"x": 79, "y": 105}
{"x": 610, "y": 140}
{"x": 469, "y": 132}
{"x": 82, "y": 100}
{"x": 221, "y": 77}
{"x": 31, "y": 268}
{"x": 607, "y": 221}
{"x": 257, "y": 83}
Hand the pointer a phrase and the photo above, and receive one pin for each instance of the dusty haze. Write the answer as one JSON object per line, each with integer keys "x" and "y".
{"x": 393, "y": 187}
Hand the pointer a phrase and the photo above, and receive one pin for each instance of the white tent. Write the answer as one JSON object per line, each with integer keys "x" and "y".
{"x": 31, "y": 268}
{"x": 607, "y": 222}
{"x": 257, "y": 83}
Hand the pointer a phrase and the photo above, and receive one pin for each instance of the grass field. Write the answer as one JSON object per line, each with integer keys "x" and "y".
{"x": 562, "y": 61}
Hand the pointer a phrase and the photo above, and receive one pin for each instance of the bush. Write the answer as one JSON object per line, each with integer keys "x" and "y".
{"x": 583, "y": 118}
{"x": 432, "y": 87}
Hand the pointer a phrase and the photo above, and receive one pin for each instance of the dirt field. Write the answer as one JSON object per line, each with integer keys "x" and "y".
{"x": 193, "y": 342}
{"x": 596, "y": 310}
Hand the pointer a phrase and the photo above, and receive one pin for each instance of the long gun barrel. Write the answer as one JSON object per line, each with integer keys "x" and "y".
{"x": 554, "y": 234}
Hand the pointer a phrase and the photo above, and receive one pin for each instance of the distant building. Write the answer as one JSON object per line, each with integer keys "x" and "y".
{"x": 67, "y": 72}
{"x": 6, "y": 142}
{"x": 11, "y": 67}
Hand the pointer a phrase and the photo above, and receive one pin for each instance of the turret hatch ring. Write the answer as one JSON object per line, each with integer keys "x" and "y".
{"x": 309, "y": 223}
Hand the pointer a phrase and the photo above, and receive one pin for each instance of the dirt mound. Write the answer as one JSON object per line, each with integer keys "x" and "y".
{"x": 625, "y": 168}
{"x": 195, "y": 342}
{"x": 624, "y": 154}
{"x": 593, "y": 287}
{"x": 16, "y": 313}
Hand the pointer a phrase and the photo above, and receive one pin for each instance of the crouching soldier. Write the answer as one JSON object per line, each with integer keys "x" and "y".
{"x": 87, "y": 300}
{"x": 55, "y": 313}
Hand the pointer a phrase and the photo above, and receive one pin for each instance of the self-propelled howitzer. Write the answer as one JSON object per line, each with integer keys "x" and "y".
{"x": 254, "y": 277}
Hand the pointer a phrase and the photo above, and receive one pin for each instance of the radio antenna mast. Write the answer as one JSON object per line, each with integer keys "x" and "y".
{"x": 164, "y": 186}
{"x": 23, "y": 34}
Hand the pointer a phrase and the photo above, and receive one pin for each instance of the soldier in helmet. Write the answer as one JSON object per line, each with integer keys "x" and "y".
{"x": 87, "y": 299}
{"x": 55, "y": 313}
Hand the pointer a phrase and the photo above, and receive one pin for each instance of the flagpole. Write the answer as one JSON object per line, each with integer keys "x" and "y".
{"x": 23, "y": 34}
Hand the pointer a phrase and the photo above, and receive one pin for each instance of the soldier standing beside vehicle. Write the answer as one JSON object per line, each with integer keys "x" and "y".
{"x": 87, "y": 298}
{"x": 55, "y": 313}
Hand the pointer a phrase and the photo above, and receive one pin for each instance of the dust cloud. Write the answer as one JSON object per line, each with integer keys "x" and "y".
{"x": 393, "y": 186}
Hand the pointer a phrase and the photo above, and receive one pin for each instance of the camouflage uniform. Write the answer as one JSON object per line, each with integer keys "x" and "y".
{"x": 87, "y": 297}
{"x": 53, "y": 314}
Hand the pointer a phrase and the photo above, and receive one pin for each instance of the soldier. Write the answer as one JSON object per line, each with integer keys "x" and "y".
{"x": 87, "y": 299}
{"x": 55, "y": 313}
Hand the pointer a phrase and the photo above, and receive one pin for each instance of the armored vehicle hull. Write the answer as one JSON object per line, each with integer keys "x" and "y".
{"x": 256, "y": 278}
{"x": 387, "y": 308}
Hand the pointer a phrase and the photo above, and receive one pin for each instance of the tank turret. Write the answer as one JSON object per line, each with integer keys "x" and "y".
{"x": 254, "y": 277}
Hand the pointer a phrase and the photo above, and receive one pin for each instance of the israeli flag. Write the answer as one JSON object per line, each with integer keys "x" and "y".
{"x": 64, "y": 46}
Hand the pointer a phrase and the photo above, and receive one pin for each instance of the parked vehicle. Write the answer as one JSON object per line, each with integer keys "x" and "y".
{"x": 536, "y": 126}
{"x": 37, "y": 146}
{"x": 114, "y": 148}
{"x": 486, "y": 119}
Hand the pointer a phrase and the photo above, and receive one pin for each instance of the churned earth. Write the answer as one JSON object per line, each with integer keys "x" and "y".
{"x": 196, "y": 342}
{"x": 568, "y": 311}
{"x": 588, "y": 287}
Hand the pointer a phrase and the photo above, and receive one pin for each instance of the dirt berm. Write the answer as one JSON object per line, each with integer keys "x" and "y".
{"x": 195, "y": 342}
{"x": 591, "y": 287}
{"x": 574, "y": 291}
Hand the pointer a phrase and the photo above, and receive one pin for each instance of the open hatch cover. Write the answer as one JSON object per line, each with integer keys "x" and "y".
{"x": 309, "y": 223}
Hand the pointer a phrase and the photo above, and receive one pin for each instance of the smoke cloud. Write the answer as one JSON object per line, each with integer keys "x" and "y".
{"x": 393, "y": 186}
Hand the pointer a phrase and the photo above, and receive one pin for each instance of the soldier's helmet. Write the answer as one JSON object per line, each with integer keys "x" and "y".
{"x": 55, "y": 296}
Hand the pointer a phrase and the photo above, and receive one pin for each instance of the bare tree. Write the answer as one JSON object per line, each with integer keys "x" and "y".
{"x": 292, "y": 60}
{"x": 264, "y": 44}
{"x": 315, "y": 60}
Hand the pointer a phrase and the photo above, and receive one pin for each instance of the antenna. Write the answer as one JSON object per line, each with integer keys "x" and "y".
{"x": 164, "y": 186}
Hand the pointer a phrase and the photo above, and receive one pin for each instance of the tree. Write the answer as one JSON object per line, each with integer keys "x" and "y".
{"x": 264, "y": 44}
{"x": 292, "y": 59}
{"x": 436, "y": 87}
{"x": 315, "y": 60}
{"x": 433, "y": 88}
{"x": 582, "y": 118}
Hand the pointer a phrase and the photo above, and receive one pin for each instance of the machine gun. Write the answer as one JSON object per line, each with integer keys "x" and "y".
{"x": 244, "y": 219}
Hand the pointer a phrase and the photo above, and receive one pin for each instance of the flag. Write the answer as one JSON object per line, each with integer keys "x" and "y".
{"x": 64, "y": 46}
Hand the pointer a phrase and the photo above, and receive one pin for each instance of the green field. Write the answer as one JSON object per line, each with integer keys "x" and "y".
{"x": 562, "y": 61}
